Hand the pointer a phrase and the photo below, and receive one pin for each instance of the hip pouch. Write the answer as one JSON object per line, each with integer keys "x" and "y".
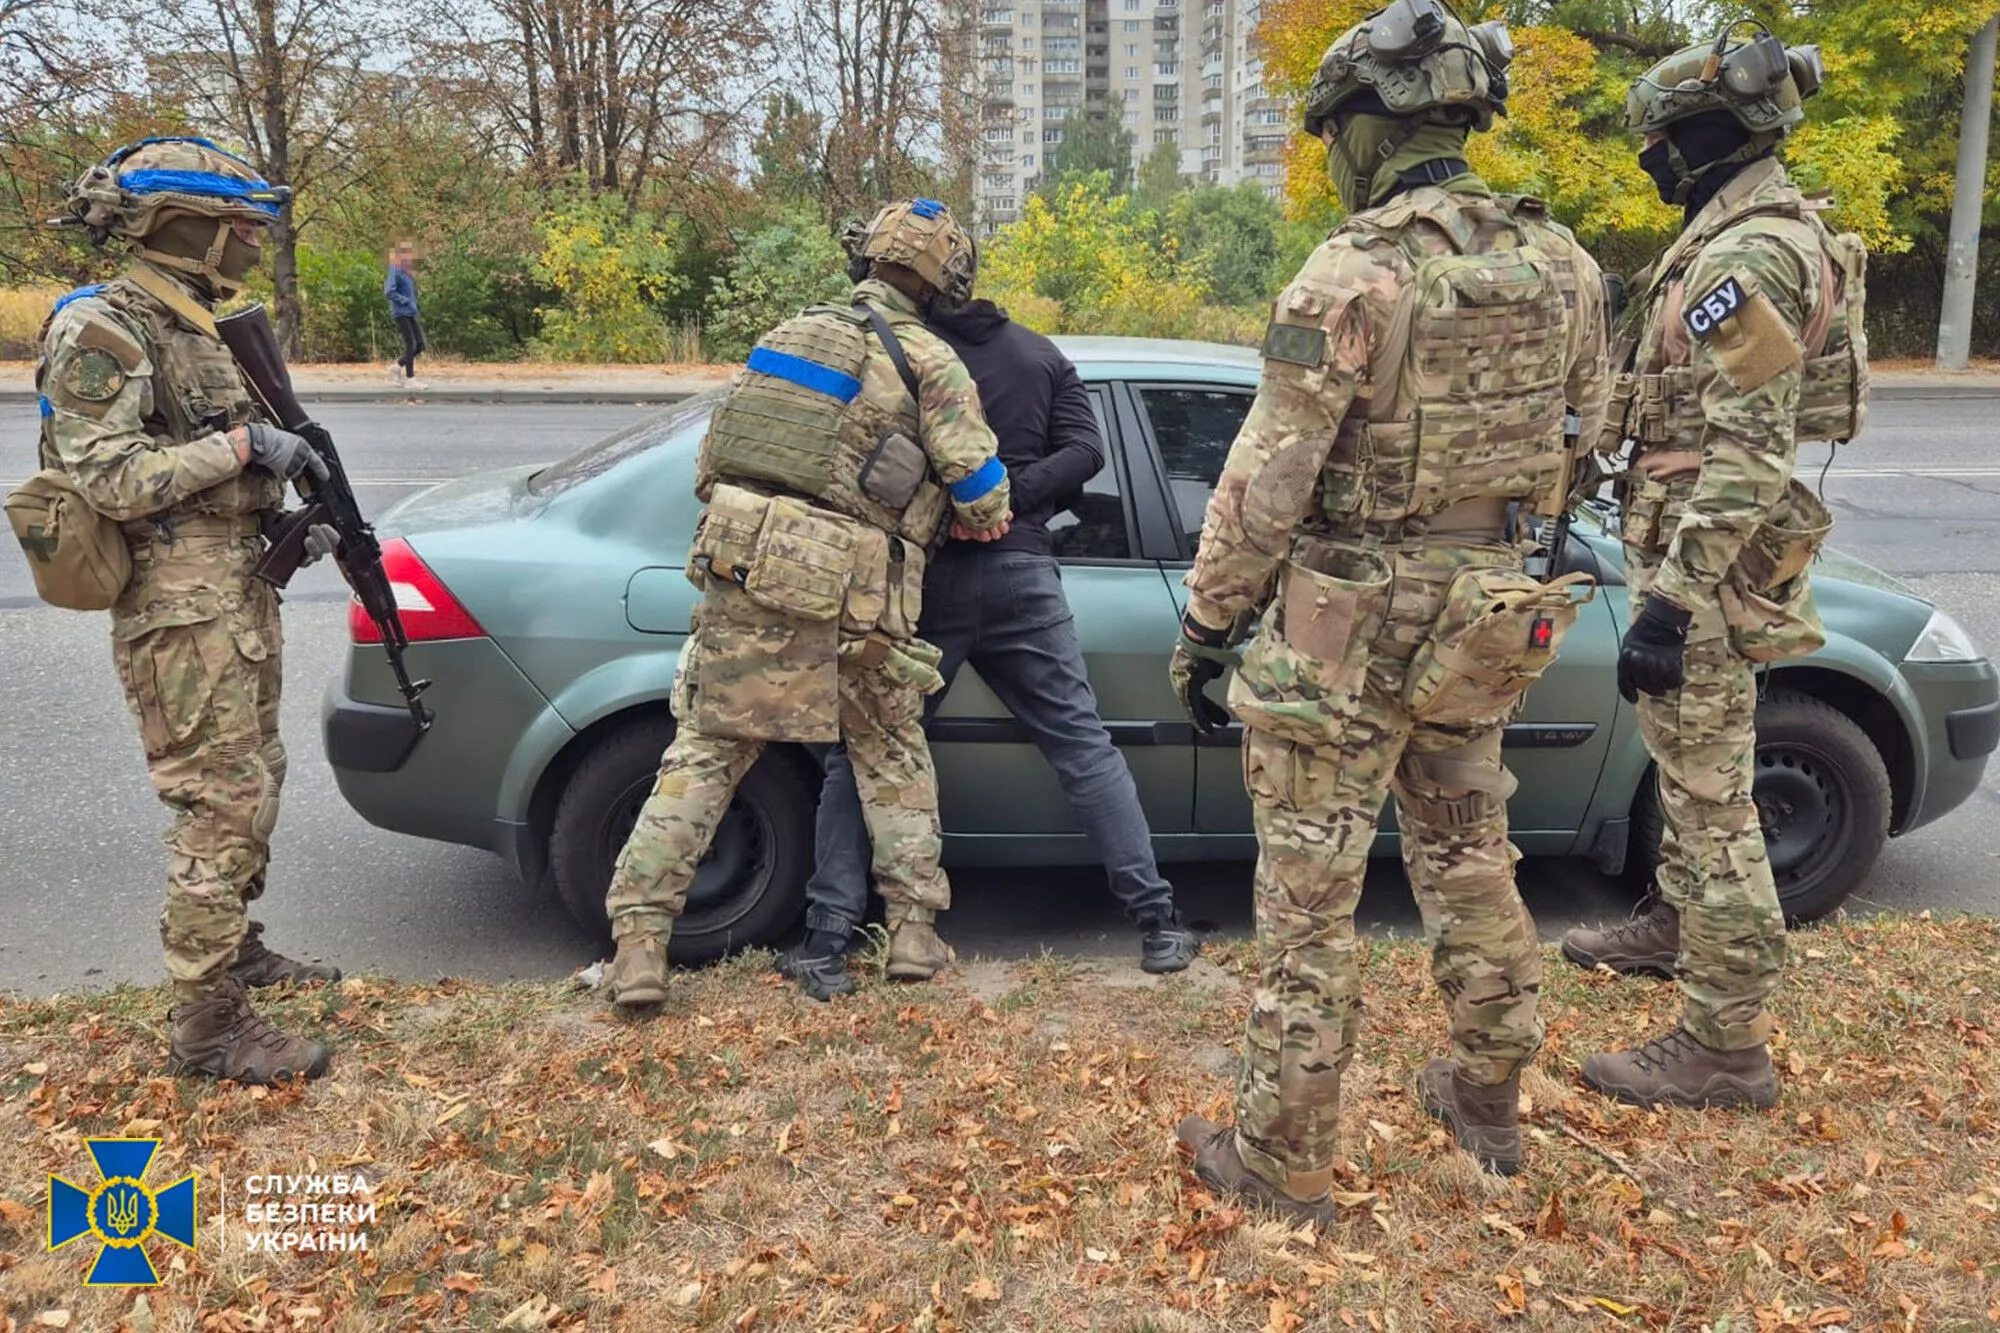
{"x": 802, "y": 561}
{"x": 1771, "y": 625}
{"x": 78, "y": 556}
{"x": 868, "y": 586}
{"x": 725, "y": 539}
{"x": 903, "y": 598}
{"x": 1303, "y": 673}
{"x": 1785, "y": 543}
{"x": 1495, "y": 635}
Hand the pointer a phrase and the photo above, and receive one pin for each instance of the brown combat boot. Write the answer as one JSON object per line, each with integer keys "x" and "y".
{"x": 915, "y": 951}
{"x": 1645, "y": 945}
{"x": 257, "y": 965}
{"x": 1219, "y": 1166}
{"x": 637, "y": 977}
{"x": 1677, "y": 1070}
{"x": 1485, "y": 1117}
{"x": 222, "y": 1036}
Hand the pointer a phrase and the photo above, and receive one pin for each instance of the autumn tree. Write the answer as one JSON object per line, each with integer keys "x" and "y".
{"x": 1091, "y": 142}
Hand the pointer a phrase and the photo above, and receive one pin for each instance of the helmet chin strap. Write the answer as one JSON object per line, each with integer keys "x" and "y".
{"x": 1686, "y": 177}
{"x": 208, "y": 268}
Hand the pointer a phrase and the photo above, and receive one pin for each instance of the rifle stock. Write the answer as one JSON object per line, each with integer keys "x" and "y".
{"x": 254, "y": 344}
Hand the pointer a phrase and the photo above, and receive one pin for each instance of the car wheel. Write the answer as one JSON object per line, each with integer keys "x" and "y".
{"x": 751, "y": 885}
{"x": 1822, "y": 794}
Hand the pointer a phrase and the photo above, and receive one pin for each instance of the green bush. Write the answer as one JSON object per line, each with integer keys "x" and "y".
{"x": 612, "y": 273}
{"x": 777, "y": 271}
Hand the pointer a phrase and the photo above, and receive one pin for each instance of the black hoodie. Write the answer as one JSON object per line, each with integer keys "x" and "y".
{"x": 1038, "y": 408}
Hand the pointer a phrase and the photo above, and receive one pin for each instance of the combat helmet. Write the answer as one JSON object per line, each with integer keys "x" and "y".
{"x": 920, "y": 235}
{"x": 1422, "y": 61}
{"x": 161, "y": 194}
{"x": 1761, "y": 83}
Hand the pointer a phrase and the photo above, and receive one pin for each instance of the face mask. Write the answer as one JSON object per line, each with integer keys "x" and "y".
{"x": 1657, "y": 163}
{"x": 238, "y": 258}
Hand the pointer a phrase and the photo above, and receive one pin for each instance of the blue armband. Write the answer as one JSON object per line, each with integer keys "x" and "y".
{"x": 981, "y": 483}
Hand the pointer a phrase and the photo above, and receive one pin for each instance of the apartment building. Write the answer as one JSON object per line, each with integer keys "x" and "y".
{"x": 1183, "y": 72}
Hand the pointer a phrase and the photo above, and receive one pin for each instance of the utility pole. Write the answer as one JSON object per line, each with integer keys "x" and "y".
{"x": 1961, "y": 267}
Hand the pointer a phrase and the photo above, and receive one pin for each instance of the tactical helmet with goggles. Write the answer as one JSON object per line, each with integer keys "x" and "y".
{"x": 1761, "y": 83}
{"x": 175, "y": 199}
{"x": 1421, "y": 61}
{"x": 920, "y": 235}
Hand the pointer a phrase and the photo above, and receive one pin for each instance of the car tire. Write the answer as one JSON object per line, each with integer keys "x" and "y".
{"x": 751, "y": 886}
{"x": 1823, "y": 796}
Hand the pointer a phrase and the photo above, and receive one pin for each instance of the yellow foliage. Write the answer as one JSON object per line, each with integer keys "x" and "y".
{"x": 22, "y": 310}
{"x": 1852, "y": 160}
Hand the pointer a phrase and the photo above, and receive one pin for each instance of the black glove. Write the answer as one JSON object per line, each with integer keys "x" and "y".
{"x": 282, "y": 452}
{"x": 1201, "y": 655}
{"x": 1650, "y": 659}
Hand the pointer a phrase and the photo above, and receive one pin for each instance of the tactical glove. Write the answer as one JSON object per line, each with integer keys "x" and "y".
{"x": 1651, "y": 658}
{"x": 322, "y": 540}
{"x": 1201, "y": 655}
{"x": 282, "y": 452}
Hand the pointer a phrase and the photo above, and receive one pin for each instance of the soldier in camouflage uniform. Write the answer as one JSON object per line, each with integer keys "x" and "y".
{"x": 847, "y": 443}
{"x": 146, "y": 413}
{"x": 1416, "y": 375}
{"x": 1747, "y": 339}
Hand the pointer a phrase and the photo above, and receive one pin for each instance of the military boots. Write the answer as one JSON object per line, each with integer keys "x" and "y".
{"x": 1486, "y": 1118}
{"x": 257, "y": 965}
{"x": 1219, "y": 1165}
{"x": 637, "y": 977}
{"x": 915, "y": 951}
{"x": 1645, "y": 945}
{"x": 1677, "y": 1070}
{"x": 222, "y": 1036}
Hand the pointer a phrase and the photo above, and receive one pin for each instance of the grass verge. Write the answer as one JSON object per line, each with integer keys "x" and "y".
{"x": 994, "y": 1152}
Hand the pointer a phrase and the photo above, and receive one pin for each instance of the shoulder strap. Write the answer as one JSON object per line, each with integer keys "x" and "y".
{"x": 184, "y": 307}
{"x": 894, "y": 347}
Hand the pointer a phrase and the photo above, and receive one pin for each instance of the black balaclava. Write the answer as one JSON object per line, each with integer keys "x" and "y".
{"x": 1702, "y": 142}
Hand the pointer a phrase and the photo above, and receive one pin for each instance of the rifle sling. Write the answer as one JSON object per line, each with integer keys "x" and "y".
{"x": 894, "y": 347}
{"x": 185, "y": 308}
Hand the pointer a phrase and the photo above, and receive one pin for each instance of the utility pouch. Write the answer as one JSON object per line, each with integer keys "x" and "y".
{"x": 1786, "y": 542}
{"x": 725, "y": 540}
{"x": 1495, "y": 635}
{"x": 78, "y": 556}
{"x": 868, "y": 586}
{"x": 903, "y": 604}
{"x": 803, "y": 559}
{"x": 1772, "y": 625}
{"x": 893, "y": 471}
{"x": 1303, "y": 674}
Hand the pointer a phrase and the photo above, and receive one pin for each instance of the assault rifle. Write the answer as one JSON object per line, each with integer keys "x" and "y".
{"x": 255, "y": 345}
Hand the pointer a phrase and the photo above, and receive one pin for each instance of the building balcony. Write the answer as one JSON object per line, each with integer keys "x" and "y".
{"x": 1263, "y": 157}
{"x": 1256, "y": 104}
{"x": 993, "y": 19}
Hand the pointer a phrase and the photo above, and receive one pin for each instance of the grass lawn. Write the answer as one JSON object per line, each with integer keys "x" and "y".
{"x": 995, "y": 1151}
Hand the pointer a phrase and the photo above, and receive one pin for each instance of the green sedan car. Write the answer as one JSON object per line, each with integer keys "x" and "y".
{"x": 549, "y": 605}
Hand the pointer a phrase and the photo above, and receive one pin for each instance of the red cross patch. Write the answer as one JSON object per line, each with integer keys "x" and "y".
{"x": 1541, "y": 632}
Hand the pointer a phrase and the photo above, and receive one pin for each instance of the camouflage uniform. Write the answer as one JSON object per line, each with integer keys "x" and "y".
{"x": 750, "y": 674}
{"x": 138, "y": 395}
{"x": 1362, "y": 498}
{"x": 1745, "y": 340}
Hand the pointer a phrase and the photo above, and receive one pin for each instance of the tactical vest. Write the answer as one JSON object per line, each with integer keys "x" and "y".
{"x": 1654, "y": 399}
{"x": 1468, "y": 377}
{"x": 197, "y": 390}
{"x": 801, "y": 421}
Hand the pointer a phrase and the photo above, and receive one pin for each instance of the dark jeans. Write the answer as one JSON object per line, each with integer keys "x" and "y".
{"x": 1004, "y": 612}
{"x": 413, "y": 343}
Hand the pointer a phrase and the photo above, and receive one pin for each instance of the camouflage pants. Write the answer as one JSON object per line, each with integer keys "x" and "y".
{"x": 1316, "y": 807}
{"x": 1713, "y": 868}
{"x": 881, "y": 721}
{"x": 197, "y": 645}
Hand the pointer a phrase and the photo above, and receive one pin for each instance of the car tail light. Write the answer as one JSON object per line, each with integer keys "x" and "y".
{"x": 424, "y": 605}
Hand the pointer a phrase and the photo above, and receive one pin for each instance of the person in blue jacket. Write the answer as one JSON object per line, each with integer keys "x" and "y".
{"x": 401, "y": 289}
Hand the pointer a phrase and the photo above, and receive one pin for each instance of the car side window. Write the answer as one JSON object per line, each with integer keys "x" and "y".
{"x": 1092, "y": 526}
{"x": 1194, "y": 428}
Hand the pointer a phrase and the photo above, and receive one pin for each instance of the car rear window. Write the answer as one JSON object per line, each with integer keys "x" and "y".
{"x": 680, "y": 424}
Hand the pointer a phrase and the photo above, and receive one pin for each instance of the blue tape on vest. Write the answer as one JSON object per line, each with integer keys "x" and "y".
{"x": 48, "y": 408}
{"x": 981, "y": 483}
{"x": 77, "y": 295}
{"x": 926, "y": 208}
{"x": 807, "y": 374}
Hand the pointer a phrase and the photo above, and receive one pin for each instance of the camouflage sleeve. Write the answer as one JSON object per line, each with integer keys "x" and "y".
{"x": 1747, "y": 296}
{"x": 1315, "y": 358}
{"x": 955, "y": 434}
{"x": 96, "y": 391}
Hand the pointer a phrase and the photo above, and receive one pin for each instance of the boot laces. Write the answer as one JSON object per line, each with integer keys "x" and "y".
{"x": 1665, "y": 1050}
{"x": 1635, "y": 925}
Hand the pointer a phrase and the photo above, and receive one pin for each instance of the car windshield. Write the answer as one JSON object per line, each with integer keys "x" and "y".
{"x": 681, "y": 424}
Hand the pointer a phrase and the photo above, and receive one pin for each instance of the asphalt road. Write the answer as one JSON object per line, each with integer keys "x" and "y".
{"x": 80, "y": 880}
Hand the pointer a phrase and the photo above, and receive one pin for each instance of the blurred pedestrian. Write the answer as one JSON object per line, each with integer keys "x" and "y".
{"x": 401, "y": 289}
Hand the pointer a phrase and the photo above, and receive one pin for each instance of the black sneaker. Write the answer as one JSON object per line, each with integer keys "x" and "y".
{"x": 819, "y": 964}
{"x": 1166, "y": 944}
